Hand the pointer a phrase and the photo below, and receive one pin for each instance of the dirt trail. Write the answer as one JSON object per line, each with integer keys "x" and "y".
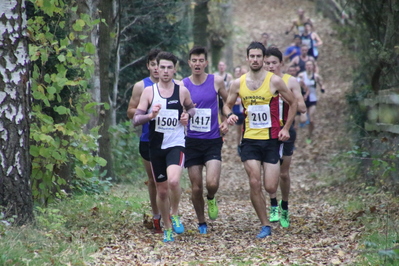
{"x": 319, "y": 234}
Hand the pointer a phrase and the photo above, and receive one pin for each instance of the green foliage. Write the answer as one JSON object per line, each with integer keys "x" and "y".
{"x": 381, "y": 248}
{"x": 61, "y": 104}
{"x": 125, "y": 143}
{"x": 146, "y": 25}
{"x": 379, "y": 167}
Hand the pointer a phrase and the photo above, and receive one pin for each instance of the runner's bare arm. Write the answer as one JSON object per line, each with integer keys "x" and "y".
{"x": 294, "y": 86}
{"x": 140, "y": 115}
{"x": 319, "y": 80}
{"x": 231, "y": 99}
{"x": 134, "y": 100}
{"x": 221, "y": 88}
{"x": 279, "y": 85}
{"x": 188, "y": 106}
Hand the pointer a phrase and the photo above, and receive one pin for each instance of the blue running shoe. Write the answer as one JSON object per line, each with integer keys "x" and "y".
{"x": 168, "y": 235}
{"x": 203, "y": 228}
{"x": 178, "y": 227}
{"x": 264, "y": 232}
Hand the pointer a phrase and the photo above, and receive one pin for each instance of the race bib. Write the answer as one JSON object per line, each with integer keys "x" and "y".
{"x": 259, "y": 116}
{"x": 201, "y": 121}
{"x": 166, "y": 120}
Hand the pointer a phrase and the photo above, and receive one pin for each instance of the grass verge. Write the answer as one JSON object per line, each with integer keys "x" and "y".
{"x": 69, "y": 231}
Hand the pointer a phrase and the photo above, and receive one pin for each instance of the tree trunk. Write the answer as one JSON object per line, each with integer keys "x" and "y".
{"x": 104, "y": 46}
{"x": 15, "y": 164}
{"x": 90, "y": 7}
{"x": 200, "y": 23}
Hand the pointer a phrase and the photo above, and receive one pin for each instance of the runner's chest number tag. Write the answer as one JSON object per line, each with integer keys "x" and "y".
{"x": 259, "y": 116}
{"x": 166, "y": 120}
{"x": 201, "y": 121}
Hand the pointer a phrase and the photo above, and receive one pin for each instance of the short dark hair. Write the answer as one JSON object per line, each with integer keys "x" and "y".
{"x": 167, "y": 56}
{"x": 152, "y": 54}
{"x": 297, "y": 36}
{"x": 274, "y": 51}
{"x": 256, "y": 45}
{"x": 197, "y": 50}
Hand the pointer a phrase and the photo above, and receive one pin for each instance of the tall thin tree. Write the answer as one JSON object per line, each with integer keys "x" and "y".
{"x": 104, "y": 46}
{"x": 15, "y": 164}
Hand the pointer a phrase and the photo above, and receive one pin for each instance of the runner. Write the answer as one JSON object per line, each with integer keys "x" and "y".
{"x": 312, "y": 40}
{"x": 138, "y": 88}
{"x": 260, "y": 145}
{"x": 238, "y": 110}
{"x": 299, "y": 23}
{"x": 204, "y": 135}
{"x": 274, "y": 64}
{"x": 162, "y": 105}
{"x": 299, "y": 61}
{"x": 300, "y": 118}
{"x": 308, "y": 80}
{"x": 293, "y": 50}
{"x": 227, "y": 78}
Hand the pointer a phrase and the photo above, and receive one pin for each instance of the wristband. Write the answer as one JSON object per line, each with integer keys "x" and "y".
{"x": 229, "y": 114}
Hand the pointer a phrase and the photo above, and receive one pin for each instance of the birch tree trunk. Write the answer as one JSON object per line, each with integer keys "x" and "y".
{"x": 15, "y": 164}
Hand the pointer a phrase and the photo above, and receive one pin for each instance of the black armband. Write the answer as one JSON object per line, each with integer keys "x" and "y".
{"x": 229, "y": 114}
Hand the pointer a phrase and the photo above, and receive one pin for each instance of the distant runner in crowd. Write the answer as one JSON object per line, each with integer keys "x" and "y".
{"x": 299, "y": 61}
{"x": 299, "y": 23}
{"x": 310, "y": 80}
{"x": 312, "y": 40}
{"x": 227, "y": 78}
{"x": 293, "y": 50}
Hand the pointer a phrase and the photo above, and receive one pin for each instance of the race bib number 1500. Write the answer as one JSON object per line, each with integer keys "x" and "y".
{"x": 166, "y": 121}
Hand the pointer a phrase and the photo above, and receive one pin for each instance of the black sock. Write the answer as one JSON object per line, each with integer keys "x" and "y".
{"x": 284, "y": 205}
{"x": 199, "y": 224}
{"x": 209, "y": 197}
{"x": 273, "y": 202}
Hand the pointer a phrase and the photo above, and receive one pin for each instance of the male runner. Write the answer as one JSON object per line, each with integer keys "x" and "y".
{"x": 162, "y": 105}
{"x": 138, "y": 88}
{"x": 259, "y": 91}
{"x": 204, "y": 135}
{"x": 274, "y": 63}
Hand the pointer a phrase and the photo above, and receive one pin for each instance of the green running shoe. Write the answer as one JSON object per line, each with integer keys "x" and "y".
{"x": 285, "y": 218}
{"x": 274, "y": 217}
{"x": 178, "y": 227}
{"x": 213, "y": 209}
{"x": 168, "y": 235}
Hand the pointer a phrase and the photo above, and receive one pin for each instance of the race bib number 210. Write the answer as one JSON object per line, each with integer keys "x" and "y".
{"x": 259, "y": 116}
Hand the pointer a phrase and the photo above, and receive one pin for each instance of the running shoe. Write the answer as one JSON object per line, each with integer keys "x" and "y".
{"x": 213, "y": 209}
{"x": 264, "y": 232}
{"x": 203, "y": 228}
{"x": 168, "y": 235}
{"x": 178, "y": 227}
{"x": 157, "y": 225}
{"x": 285, "y": 218}
{"x": 274, "y": 215}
